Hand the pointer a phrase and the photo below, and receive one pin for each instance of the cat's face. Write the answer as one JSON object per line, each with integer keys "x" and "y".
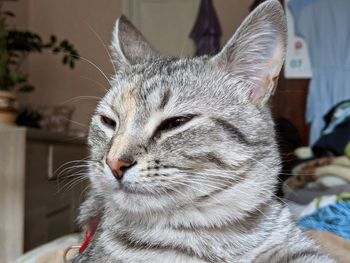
{"x": 189, "y": 130}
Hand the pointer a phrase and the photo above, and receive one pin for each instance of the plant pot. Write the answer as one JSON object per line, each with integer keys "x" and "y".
{"x": 8, "y": 108}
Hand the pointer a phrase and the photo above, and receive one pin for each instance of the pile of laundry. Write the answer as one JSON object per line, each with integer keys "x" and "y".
{"x": 327, "y": 163}
{"x": 320, "y": 173}
{"x": 318, "y": 192}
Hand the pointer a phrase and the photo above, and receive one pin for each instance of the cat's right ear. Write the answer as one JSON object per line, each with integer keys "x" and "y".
{"x": 129, "y": 47}
{"x": 255, "y": 54}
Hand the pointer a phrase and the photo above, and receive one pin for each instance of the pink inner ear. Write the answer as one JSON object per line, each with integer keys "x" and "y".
{"x": 265, "y": 88}
{"x": 256, "y": 94}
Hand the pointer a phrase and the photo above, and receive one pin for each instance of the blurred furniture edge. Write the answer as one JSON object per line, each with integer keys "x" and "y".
{"x": 12, "y": 159}
{"x": 51, "y": 252}
{"x": 32, "y": 211}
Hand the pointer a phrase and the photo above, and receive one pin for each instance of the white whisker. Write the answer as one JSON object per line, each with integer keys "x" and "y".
{"x": 104, "y": 46}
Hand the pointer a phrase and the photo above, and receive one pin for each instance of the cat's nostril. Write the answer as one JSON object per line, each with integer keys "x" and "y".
{"x": 126, "y": 167}
{"x": 119, "y": 167}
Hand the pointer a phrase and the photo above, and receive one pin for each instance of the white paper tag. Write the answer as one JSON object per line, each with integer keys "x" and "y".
{"x": 297, "y": 64}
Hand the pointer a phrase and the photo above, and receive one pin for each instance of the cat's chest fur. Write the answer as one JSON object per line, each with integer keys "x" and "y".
{"x": 250, "y": 239}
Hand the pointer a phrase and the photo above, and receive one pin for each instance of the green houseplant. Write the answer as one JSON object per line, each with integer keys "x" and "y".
{"x": 15, "y": 46}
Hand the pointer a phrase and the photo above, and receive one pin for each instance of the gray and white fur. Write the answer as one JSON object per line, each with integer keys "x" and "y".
{"x": 205, "y": 161}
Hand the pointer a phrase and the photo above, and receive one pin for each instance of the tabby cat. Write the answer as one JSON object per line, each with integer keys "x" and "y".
{"x": 183, "y": 155}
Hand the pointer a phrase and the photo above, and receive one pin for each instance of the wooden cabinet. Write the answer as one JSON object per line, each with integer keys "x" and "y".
{"x": 289, "y": 102}
{"x": 35, "y": 205}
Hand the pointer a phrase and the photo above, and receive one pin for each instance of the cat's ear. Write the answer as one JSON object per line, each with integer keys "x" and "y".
{"x": 255, "y": 54}
{"x": 129, "y": 47}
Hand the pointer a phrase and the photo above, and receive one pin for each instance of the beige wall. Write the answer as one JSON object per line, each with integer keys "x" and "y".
{"x": 69, "y": 19}
{"x": 21, "y": 11}
{"x": 231, "y": 13}
{"x": 72, "y": 20}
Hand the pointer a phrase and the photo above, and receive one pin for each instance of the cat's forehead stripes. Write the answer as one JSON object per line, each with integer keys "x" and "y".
{"x": 140, "y": 104}
{"x": 165, "y": 99}
{"x": 149, "y": 91}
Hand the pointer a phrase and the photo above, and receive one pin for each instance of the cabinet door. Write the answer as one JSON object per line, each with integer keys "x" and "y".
{"x": 50, "y": 208}
{"x": 165, "y": 23}
{"x": 66, "y": 160}
{"x": 69, "y": 163}
{"x": 37, "y": 194}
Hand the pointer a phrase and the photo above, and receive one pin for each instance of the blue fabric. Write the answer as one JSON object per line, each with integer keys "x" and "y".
{"x": 341, "y": 113}
{"x": 333, "y": 218}
{"x": 325, "y": 26}
{"x": 336, "y": 134}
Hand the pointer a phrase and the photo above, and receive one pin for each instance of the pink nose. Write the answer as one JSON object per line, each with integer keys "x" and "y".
{"x": 117, "y": 167}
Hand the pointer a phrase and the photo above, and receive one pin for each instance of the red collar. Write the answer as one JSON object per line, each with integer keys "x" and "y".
{"x": 89, "y": 235}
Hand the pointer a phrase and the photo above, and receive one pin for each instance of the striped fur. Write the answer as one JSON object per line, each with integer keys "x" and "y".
{"x": 202, "y": 190}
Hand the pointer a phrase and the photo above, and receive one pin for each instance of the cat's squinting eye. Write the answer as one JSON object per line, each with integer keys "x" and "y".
{"x": 108, "y": 122}
{"x": 172, "y": 123}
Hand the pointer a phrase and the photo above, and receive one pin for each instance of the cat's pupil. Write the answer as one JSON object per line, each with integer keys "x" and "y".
{"x": 175, "y": 123}
{"x": 108, "y": 122}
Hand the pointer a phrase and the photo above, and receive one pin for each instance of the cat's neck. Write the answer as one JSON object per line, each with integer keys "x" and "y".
{"x": 206, "y": 213}
{"x": 244, "y": 233}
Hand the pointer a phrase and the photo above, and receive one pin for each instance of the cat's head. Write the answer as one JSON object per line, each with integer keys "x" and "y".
{"x": 178, "y": 131}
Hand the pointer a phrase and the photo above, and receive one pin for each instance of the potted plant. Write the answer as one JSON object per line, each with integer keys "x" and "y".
{"x": 15, "y": 45}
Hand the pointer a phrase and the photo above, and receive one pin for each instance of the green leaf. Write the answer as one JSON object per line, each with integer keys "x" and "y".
{"x": 64, "y": 44}
{"x": 18, "y": 77}
{"x": 53, "y": 39}
{"x": 20, "y": 43}
{"x": 8, "y": 13}
{"x": 26, "y": 88}
{"x": 48, "y": 45}
{"x": 75, "y": 54}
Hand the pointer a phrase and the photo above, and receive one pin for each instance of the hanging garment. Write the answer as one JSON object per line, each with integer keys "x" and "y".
{"x": 325, "y": 25}
{"x": 206, "y": 31}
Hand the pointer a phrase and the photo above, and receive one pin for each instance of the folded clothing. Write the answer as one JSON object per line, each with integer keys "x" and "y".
{"x": 334, "y": 218}
{"x": 304, "y": 196}
{"x": 298, "y": 211}
{"x": 336, "y": 134}
{"x": 313, "y": 170}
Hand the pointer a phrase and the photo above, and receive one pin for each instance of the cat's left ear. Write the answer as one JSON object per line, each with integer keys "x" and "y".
{"x": 255, "y": 54}
{"x": 129, "y": 47}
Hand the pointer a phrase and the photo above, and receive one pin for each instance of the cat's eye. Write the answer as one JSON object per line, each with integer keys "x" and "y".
{"x": 108, "y": 122}
{"x": 172, "y": 123}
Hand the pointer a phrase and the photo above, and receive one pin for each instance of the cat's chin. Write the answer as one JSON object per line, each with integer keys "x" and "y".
{"x": 133, "y": 202}
{"x": 139, "y": 201}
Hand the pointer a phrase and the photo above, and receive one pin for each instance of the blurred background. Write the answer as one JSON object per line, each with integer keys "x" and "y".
{"x": 55, "y": 65}
{"x": 88, "y": 25}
